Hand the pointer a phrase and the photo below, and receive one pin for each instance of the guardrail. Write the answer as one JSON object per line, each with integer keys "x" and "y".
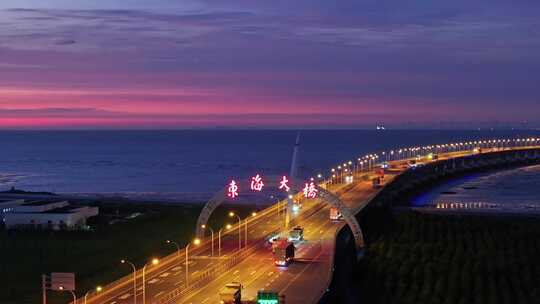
{"x": 206, "y": 276}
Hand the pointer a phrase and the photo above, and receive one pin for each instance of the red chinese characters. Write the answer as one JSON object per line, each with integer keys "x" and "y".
{"x": 310, "y": 191}
{"x": 257, "y": 183}
{"x": 283, "y": 184}
{"x": 232, "y": 191}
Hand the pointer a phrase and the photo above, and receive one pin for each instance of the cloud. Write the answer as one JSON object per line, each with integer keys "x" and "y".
{"x": 65, "y": 42}
{"x": 57, "y": 112}
{"x": 315, "y": 54}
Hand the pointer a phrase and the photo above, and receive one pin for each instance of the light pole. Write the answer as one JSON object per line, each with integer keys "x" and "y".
{"x": 212, "y": 235}
{"x": 154, "y": 262}
{"x": 61, "y": 288}
{"x": 98, "y": 289}
{"x": 175, "y": 244}
{"x": 196, "y": 242}
{"x": 134, "y": 279}
{"x": 232, "y": 214}
{"x": 219, "y": 241}
{"x": 253, "y": 214}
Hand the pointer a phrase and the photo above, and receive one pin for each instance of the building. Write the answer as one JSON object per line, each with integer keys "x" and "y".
{"x": 48, "y": 215}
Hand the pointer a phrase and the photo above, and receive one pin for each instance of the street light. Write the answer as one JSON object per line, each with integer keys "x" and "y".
{"x": 219, "y": 239}
{"x": 98, "y": 289}
{"x": 212, "y": 232}
{"x": 61, "y": 288}
{"x": 154, "y": 262}
{"x": 232, "y": 214}
{"x": 134, "y": 279}
{"x": 195, "y": 242}
{"x": 253, "y": 214}
{"x": 175, "y": 244}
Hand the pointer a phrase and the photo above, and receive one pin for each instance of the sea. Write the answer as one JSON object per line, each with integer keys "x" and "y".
{"x": 508, "y": 191}
{"x": 192, "y": 164}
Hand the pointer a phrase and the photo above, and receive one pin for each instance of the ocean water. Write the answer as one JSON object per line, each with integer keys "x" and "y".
{"x": 187, "y": 163}
{"x": 515, "y": 190}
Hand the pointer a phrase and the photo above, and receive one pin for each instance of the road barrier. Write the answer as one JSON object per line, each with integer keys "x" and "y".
{"x": 203, "y": 278}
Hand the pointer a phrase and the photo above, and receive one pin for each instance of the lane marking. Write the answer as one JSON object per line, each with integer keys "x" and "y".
{"x": 125, "y": 296}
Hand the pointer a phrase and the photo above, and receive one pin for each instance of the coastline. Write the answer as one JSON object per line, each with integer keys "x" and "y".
{"x": 128, "y": 198}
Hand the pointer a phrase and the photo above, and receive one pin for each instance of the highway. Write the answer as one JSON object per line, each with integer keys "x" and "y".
{"x": 257, "y": 271}
{"x": 304, "y": 281}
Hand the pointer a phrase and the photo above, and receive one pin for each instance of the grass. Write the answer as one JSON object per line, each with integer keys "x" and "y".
{"x": 453, "y": 259}
{"x": 93, "y": 256}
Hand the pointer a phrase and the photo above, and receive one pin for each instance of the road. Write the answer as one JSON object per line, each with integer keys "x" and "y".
{"x": 304, "y": 281}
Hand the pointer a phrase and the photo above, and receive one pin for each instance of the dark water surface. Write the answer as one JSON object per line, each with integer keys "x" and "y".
{"x": 515, "y": 190}
{"x": 188, "y": 161}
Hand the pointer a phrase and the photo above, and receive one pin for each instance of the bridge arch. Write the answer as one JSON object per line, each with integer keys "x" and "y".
{"x": 296, "y": 187}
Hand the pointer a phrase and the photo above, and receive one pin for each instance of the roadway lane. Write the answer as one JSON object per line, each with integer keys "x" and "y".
{"x": 257, "y": 271}
{"x": 166, "y": 278}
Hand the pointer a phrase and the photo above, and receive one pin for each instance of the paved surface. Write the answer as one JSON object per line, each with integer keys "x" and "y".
{"x": 304, "y": 281}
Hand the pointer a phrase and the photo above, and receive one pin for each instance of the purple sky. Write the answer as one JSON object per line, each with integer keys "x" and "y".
{"x": 255, "y": 63}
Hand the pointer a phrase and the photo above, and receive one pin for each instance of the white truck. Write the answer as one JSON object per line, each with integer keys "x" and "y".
{"x": 231, "y": 293}
{"x": 296, "y": 234}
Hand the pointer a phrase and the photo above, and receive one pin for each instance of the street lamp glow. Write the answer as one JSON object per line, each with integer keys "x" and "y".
{"x": 203, "y": 226}
{"x": 228, "y": 226}
{"x": 99, "y": 288}
{"x": 253, "y": 213}
{"x": 290, "y": 196}
{"x": 155, "y": 261}
{"x": 231, "y": 214}
{"x": 197, "y": 241}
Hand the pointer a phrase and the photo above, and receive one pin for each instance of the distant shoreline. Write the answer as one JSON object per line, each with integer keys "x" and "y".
{"x": 106, "y": 198}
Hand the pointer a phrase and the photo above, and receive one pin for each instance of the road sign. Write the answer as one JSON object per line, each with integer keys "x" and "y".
{"x": 63, "y": 281}
{"x": 268, "y": 297}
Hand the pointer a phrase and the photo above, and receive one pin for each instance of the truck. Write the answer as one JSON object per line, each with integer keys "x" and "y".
{"x": 296, "y": 234}
{"x": 283, "y": 253}
{"x": 335, "y": 215}
{"x": 231, "y": 293}
{"x": 376, "y": 182}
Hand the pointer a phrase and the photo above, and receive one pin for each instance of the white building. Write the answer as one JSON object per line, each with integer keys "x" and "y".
{"x": 48, "y": 215}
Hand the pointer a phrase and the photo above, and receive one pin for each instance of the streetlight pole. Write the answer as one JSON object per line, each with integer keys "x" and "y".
{"x": 231, "y": 214}
{"x": 134, "y": 279}
{"x": 253, "y": 214}
{"x": 175, "y": 244}
{"x": 212, "y": 235}
{"x": 196, "y": 242}
{"x": 154, "y": 262}
{"x": 61, "y": 288}
{"x": 219, "y": 242}
{"x": 98, "y": 289}
{"x": 187, "y": 264}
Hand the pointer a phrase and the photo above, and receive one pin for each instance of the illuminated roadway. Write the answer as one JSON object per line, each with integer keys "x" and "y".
{"x": 303, "y": 281}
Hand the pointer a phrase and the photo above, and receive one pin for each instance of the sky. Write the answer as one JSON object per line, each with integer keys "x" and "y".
{"x": 161, "y": 64}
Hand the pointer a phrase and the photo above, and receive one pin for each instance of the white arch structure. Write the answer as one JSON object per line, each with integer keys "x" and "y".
{"x": 295, "y": 187}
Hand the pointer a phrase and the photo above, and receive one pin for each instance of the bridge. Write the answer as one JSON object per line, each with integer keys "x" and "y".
{"x": 196, "y": 274}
